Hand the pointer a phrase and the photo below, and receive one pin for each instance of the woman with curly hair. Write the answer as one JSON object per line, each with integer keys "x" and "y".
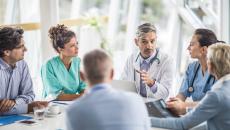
{"x": 61, "y": 74}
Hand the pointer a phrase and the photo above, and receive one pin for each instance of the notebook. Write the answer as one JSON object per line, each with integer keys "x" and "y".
{"x": 5, "y": 120}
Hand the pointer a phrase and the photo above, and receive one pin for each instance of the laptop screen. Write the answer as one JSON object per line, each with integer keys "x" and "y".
{"x": 124, "y": 85}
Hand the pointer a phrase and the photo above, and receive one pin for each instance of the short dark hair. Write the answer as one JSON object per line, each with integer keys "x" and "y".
{"x": 10, "y": 38}
{"x": 60, "y": 35}
{"x": 145, "y": 28}
{"x": 97, "y": 65}
{"x": 206, "y": 37}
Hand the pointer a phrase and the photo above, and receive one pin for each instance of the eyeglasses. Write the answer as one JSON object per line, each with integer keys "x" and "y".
{"x": 20, "y": 46}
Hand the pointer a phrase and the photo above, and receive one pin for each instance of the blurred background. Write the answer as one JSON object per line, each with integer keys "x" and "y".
{"x": 111, "y": 25}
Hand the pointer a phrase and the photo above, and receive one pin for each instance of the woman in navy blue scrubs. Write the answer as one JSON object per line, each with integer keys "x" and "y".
{"x": 197, "y": 80}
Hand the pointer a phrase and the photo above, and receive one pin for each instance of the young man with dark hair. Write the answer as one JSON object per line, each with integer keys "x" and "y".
{"x": 16, "y": 91}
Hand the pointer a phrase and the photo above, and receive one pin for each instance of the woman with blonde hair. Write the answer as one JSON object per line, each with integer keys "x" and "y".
{"x": 215, "y": 106}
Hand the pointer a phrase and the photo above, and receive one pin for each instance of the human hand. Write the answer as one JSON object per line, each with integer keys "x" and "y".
{"x": 176, "y": 105}
{"x": 147, "y": 79}
{"x": 38, "y": 104}
{"x": 6, "y": 105}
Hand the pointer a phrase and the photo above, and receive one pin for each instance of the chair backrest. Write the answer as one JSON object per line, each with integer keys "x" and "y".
{"x": 124, "y": 85}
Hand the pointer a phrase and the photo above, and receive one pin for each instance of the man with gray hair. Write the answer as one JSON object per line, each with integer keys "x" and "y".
{"x": 104, "y": 108}
{"x": 149, "y": 68}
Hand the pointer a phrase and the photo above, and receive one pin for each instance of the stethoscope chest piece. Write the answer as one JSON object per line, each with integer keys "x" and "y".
{"x": 190, "y": 89}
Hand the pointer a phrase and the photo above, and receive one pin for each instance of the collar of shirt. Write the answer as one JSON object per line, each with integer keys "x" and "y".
{"x": 99, "y": 87}
{"x": 220, "y": 81}
{"x": 148, "y": 59}
{"x": 4, "y": 65}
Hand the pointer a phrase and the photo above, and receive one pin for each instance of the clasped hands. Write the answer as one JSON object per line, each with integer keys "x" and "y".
{"x": 7, "y": 104}
{"x": 177, "y": 106}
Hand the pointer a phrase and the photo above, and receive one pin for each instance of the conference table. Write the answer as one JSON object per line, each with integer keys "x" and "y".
{"x": 57, "y": 122}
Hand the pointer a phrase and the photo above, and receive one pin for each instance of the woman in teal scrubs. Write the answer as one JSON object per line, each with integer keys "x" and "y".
{"x": 61, "y": 74}
{"x": 197, "y": 80}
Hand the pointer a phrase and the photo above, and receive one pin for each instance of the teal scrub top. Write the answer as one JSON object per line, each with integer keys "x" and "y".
{"x": 57, "y": 79}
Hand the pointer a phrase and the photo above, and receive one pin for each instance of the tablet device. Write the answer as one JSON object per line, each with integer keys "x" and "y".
{"x": 124, "y": 85}
{"x": 158, "y": 109}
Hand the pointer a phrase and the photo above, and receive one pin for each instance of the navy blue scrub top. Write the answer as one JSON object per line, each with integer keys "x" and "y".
{"x": 201, "y": 84}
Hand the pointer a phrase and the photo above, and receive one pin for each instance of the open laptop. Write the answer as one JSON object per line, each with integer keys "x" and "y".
{"x": 124, "y": 85}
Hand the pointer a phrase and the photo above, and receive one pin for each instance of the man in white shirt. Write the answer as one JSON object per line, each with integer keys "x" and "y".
{"x": 149, "y": 68}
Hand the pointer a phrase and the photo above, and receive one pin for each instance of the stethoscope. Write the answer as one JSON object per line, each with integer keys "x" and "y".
{"x": 155, "y": 58}
{"x": 191, "y": 88}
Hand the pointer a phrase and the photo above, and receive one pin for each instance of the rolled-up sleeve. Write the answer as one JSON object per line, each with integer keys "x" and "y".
{"x": 18, "y": 109}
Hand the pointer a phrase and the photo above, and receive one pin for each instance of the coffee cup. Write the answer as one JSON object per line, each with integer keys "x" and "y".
{"x": 54, "y": 109}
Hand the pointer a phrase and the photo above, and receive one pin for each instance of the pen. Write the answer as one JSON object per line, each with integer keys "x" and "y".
{"x": 138, "y": 71}
{"x": 172, "y": 100}
{"x": 63, "y": 103}
{"x": 52, "y": 100}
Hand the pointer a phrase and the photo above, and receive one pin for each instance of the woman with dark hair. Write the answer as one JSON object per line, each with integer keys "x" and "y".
{"x": 197, "y": 80}
{"x": 60, "y": 75}
{"x": 214, "y": 107}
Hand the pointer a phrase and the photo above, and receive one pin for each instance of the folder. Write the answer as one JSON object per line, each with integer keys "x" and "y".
{"x": 5, "y": 120}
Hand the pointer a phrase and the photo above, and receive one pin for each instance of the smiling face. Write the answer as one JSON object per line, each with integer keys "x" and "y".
{"x": 146, "y": 44}
{"x": 70, "y": 49}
